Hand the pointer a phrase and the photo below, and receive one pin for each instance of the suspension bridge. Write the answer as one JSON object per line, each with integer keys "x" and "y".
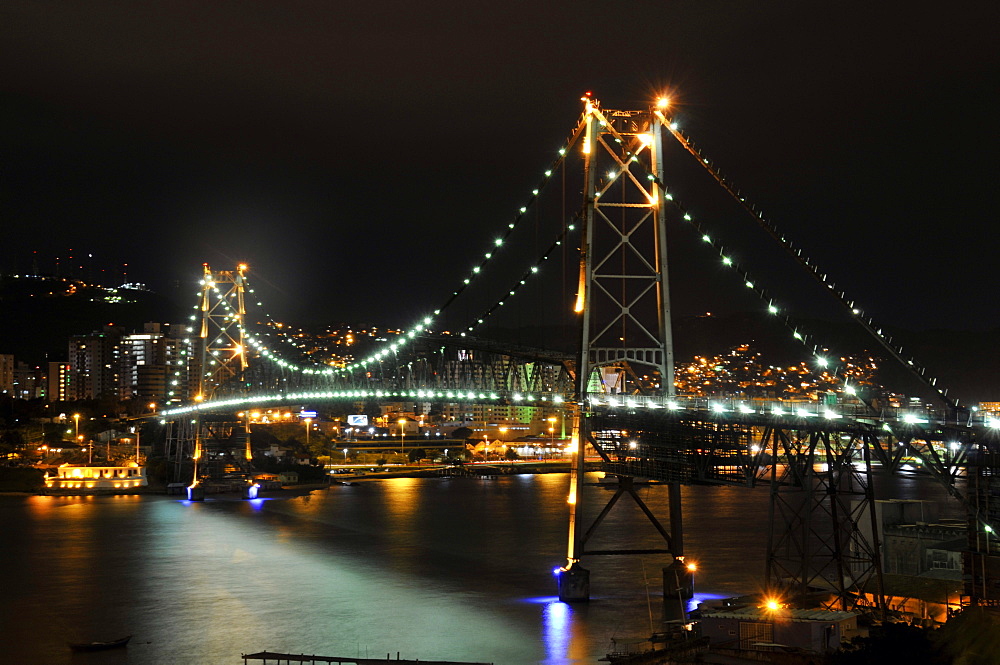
{"x": 569, "y": 309}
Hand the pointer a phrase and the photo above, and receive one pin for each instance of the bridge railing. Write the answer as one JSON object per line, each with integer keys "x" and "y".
{"x": 790, "y": 409}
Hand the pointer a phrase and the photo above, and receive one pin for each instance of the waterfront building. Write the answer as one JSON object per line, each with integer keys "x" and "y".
{"x": 757, "y": 629}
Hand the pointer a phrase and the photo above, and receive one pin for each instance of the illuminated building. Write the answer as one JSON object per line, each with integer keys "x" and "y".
{"x": 59, "y": 382}
{"x": 94, "y": 363}
{"x": 992, "y": 408}
{"x": 6, "y": 374}
{"x": 29, "y": 381}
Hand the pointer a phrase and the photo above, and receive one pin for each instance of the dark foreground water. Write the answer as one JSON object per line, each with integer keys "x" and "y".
{"x": 446, "y": 569}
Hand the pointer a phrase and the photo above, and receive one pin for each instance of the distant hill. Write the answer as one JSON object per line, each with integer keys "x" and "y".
{"x": 967, "y": 363}
{"x": 39, "y": 314}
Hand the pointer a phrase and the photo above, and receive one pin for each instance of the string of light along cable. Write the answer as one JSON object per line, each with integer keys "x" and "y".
{"x": 797, "y": 254}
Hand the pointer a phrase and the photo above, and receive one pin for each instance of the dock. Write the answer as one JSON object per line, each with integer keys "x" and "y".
{"x": 289, "y": 658}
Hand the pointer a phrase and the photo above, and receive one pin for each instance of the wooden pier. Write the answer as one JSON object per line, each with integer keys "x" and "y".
{"x": 289, "y": 658}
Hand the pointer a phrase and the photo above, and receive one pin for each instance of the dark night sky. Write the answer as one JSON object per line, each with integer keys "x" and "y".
{"x": 353, "y": 153}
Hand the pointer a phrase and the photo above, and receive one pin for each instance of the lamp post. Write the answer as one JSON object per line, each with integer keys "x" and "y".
{"x": 308, "y": 422}
{"x": 76, "y": 420}
{"x": 345, "y": 455}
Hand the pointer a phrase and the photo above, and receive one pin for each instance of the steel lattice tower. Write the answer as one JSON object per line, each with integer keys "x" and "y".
{"x": 223, "y": 351}
{"x": 626, "y": 343}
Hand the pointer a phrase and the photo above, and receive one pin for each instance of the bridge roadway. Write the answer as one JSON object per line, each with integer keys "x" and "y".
{"x": 710, "y": 409}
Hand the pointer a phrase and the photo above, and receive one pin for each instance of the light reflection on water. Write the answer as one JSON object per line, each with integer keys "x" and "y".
{"x": 434, "y": 569}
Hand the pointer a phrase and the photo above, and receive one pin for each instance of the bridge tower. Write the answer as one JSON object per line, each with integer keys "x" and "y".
{"x": 223, "y": 356}
{"x": 221, "y": 359}
{"x": 623, "y": 300}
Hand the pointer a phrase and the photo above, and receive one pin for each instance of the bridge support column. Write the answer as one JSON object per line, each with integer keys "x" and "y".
{"x": 574, "y": 584}
{"x": 678, "y": 590}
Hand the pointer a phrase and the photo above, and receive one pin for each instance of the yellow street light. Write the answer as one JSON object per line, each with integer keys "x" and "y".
{"x": 76, "y": 420}
{"x": 402, "y": 433}
{"x": 308, "y": 422}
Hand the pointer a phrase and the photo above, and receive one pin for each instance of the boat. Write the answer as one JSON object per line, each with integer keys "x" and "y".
{"x": 99, "y": 646}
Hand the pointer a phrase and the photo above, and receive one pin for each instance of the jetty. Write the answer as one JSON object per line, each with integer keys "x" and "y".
{"x": 289, "y": 658}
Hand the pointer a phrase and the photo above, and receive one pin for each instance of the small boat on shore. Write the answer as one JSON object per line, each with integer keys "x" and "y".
{"x": 99, "y": 646}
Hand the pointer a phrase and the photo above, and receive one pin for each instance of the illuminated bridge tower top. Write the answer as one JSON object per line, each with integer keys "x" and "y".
{"x": 623, "y": 294}
{"x": 223, "y": 357}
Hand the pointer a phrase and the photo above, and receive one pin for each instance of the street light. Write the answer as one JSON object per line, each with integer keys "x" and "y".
{"x": 76, "y": 420}
{"x": 345, "y": 455}
{"x": 308, "y": 422}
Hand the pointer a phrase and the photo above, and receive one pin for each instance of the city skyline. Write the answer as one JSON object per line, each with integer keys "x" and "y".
{"x": 363, "y": 156}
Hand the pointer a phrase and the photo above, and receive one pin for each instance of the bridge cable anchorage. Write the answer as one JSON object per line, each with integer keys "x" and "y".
{"x": 796, "y": 254}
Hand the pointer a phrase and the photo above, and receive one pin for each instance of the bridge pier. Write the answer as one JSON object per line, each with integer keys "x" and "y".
{"x": 678, "y": 589}
{"x": 574, "y": 584}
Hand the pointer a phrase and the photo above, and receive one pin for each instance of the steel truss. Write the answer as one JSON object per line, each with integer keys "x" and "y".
{"x": 215, "y": 442}
{"x": 821, "y": 503}
{"x": 822, "y": 532}
{"x": 429, "y": 364}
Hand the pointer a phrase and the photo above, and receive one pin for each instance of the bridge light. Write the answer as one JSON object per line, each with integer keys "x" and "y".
{"x": 772, "y": 309}
{"x": 662, "y": 102}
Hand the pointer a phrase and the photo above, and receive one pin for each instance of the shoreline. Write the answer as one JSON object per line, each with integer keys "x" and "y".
{"x": 481, "y": 470}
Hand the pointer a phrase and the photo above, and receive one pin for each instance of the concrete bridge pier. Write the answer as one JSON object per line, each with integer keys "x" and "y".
{"x": 678, "y": 590}
{"x": 574, "y": 584}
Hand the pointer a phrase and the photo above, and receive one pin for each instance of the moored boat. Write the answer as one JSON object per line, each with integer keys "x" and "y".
{"x": 99, "y": 646}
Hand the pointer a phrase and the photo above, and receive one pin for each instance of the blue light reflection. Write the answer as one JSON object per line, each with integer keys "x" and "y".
{"x": 556, "y": 630}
